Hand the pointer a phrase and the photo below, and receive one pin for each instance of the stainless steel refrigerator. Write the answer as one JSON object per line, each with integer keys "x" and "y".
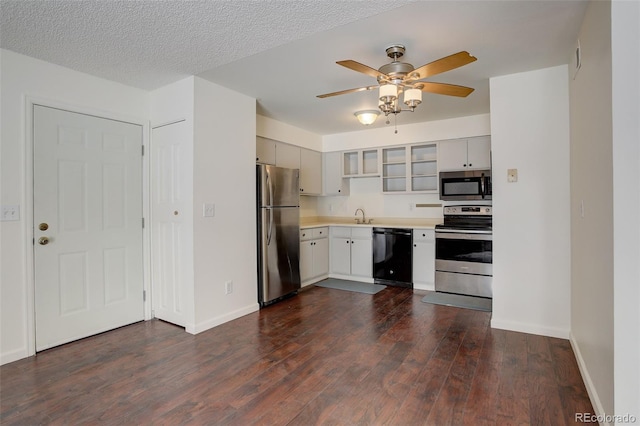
{"x": 278, "y": 192}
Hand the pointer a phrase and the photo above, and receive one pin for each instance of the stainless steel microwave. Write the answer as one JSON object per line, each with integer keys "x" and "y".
{"x": 465, "y": 185}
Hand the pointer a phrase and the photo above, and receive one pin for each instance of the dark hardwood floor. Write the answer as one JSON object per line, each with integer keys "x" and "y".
{"x": 322, "y": 357}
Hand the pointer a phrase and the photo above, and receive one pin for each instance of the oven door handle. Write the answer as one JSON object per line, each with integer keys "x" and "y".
{"x": 467, "y": 235}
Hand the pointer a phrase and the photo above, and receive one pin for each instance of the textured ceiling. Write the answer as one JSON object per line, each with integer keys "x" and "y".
{"x": 283, "y": 53}
{"x": 148, "y": 44}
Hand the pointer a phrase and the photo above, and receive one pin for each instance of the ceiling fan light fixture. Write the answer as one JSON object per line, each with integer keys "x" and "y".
{"x": 367, "y": 117}
{"x": 412, "y": 97}
{"x": 388, "y": 93}
{"x": 399, "y": 78}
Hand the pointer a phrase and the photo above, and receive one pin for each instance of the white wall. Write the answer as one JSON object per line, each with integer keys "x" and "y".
{"x": 224, "y": 174}
{"x": 592, "y": 231}
{"x": 366, "y": 194}
{"x": 531, "y": 241}
{"x": 625, "y": 36}
{"x": 283, "y": 132}
{"x": 21, "y": 78}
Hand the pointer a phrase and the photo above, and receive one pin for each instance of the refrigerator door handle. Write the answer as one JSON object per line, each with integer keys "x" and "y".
{"x": 270, "y": 220}
{"x": 269, "y": 188}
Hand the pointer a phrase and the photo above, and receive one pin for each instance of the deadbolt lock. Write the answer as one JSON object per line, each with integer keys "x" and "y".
{"x": 43, "y": 226}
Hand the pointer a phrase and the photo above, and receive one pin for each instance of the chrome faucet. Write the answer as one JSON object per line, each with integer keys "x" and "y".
{"x": 358, "y": 220}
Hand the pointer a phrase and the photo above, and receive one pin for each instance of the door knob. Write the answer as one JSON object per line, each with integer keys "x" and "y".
{"x": 43, "y": 241}
{"x": 43, "y": 226}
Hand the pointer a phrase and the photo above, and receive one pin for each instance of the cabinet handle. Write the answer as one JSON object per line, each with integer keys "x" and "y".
{"x": 415, "y": 245}
{"x": 301, "y": 190}
{"x": 470, "y": 164}
{"x": 339, "y": 190}
{"x": 424, "y": 235}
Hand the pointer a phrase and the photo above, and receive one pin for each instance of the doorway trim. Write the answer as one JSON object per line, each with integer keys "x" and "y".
{"x": 28, "y": 230}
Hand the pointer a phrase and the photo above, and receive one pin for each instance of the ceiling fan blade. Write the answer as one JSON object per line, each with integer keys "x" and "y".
{"x": 357, "y": 66}
{"x": 447, "y": 63}
{"x": 344, "y": 92}
{"x": 445, "y": 89}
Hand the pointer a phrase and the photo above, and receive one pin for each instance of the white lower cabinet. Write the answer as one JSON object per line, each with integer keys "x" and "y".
{"x": 424, "y": 255}
{"x": 351, "y": 252}
{"x": 314, "y": 255}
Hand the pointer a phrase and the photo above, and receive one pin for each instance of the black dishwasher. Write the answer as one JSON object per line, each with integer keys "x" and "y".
{"x": 392, "y": 257}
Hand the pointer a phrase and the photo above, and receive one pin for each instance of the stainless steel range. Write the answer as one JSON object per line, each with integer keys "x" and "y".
{"x": 464, "y": 251}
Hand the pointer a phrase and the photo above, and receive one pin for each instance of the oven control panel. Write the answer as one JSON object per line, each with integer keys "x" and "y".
{"x": 468, "y": 210}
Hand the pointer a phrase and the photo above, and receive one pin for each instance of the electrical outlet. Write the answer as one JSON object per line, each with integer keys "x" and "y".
{"x": 228, "y": 287}
{"x": 10, "y": 212}
{"x": 208, "y": 210}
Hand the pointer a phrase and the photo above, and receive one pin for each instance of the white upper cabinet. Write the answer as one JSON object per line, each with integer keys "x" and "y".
{"x": 361, "y": 163}
{"x": 465, "y": 154}
{"x": 394, "y": 169}
{"x": 479, "y": 152}
{"x": 424, "y": 168}
{"x": 287, "y": 156}
{"x": 281, "y": 154}
{"x": 333, "y": 182}
{"x": 265, "y": 151}
{"x": 310, "y": 172}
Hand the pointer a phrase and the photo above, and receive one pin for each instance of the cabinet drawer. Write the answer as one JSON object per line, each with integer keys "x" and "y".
{"x": 306, "y": 234}
{"x": 361, "y": 233}
{"x": 341, "y": 231}
{"x": 320, "y": 232}
{"x": 423, "y": 235}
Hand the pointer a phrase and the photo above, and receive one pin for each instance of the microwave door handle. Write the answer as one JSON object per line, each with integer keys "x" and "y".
{"x": 482, "y": 186}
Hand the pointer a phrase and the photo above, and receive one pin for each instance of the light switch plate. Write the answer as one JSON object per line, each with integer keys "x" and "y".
{"x": 208, "y": 210}
{"x": 512, "y": 175}
{"x": 10, "y": 212}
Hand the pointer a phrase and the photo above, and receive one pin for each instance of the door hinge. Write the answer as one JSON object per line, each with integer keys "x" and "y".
{"x": 143, "y": 150}
{"x": 143, "y": 222}
{"x": 144, "y": 295}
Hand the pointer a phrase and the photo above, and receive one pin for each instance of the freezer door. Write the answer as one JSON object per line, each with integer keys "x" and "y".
{"x": 280, "y": 253}
{"x": 278, "y": 186}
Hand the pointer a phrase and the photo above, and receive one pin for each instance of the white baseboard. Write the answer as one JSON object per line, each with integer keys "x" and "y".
{"x": 560, "y": 333}
{"x": 7, "y": 357}
{"x": 586, "y": 377}
{"x": 424, "y": 286}
{"x": 314, "y": 280}
{"x": 214, "y": 322}
{"x": 352, "y": 278}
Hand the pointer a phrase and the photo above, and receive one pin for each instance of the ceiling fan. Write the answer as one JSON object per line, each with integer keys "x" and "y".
{"x": 398, "y": 77}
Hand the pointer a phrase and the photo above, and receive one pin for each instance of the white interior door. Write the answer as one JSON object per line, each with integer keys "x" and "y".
{"x": 87, "y": 225}
{"x": 171, "y": 214}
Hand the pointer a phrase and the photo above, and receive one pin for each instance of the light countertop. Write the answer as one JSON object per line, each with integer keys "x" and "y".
{"x": 385, "y": 222}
